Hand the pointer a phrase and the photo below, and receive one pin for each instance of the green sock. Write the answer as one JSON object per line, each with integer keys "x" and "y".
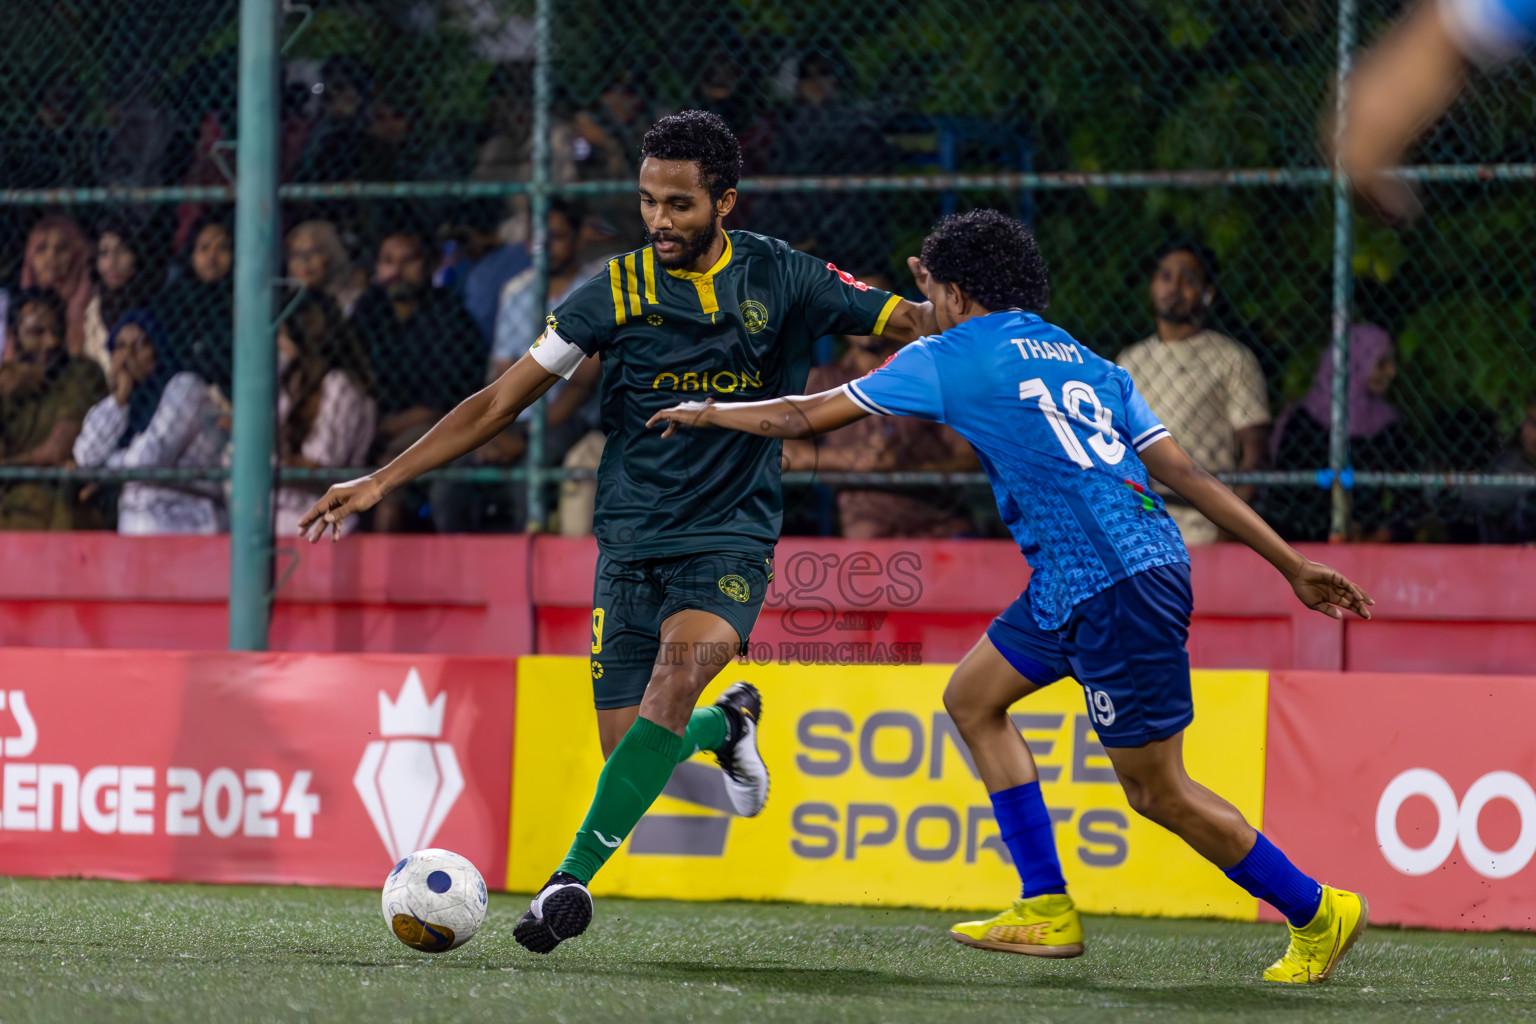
{"x": 707, "y": 729}
{"x": 632, "y": 779}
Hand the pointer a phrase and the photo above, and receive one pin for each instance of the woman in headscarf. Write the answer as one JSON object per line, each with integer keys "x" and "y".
{"x": 58, "y": 258}
{"x": 1378, "y": 440}
{"x": 319, "y": 262}
{"x": 198, "y": 309}
{"x": 158, "y": 415}
{"x": 325, "y": 413}
{"x": 126, "y": 278}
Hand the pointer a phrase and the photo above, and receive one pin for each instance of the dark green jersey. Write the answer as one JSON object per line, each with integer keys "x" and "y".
{"x": 740, "y": 332}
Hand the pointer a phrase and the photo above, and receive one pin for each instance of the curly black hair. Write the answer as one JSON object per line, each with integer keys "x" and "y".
{"x": 992, "y": 257}
{"x": 703, "y": 138}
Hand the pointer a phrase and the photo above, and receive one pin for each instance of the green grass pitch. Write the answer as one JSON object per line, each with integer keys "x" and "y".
{"x": 106, "y": 951}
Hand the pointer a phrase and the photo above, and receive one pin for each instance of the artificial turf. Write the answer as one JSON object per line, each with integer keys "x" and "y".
{"x": 106, "y": 951}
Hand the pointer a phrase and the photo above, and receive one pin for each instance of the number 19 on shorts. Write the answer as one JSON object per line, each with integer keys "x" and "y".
{"x": 1101, "y": 707}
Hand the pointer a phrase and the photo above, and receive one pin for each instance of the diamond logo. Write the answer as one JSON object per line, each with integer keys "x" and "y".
{"x": 409, "y": 780}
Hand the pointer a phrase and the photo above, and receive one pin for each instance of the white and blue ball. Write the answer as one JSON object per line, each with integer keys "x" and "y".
{"x": 434, "y": 901}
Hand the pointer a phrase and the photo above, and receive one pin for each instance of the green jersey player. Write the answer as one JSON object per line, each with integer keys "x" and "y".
{"x": 685, "y": 536}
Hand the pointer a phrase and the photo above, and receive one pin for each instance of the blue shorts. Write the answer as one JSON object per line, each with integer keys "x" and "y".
{"x": 1125, "y": 645}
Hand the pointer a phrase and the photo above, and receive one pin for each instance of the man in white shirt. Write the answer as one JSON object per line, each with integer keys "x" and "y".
{"x": 1206, "y": 388}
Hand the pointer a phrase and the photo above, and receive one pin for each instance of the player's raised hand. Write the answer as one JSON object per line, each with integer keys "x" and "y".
{"x": 1329, "y": 591}
{"x": 340, "y": 501}
{"x": 919, "y": 274}
{"x": 688, "y": 414}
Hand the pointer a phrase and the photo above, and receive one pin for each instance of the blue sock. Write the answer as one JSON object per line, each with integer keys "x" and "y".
{"x": 1026, "y": 828}
{"x": 1267, "y": 874}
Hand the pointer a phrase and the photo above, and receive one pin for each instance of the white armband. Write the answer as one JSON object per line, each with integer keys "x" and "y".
{"x": 556, "y": 355}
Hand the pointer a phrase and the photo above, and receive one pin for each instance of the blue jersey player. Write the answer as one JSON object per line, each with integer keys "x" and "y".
{"x": 1069, "y": 446}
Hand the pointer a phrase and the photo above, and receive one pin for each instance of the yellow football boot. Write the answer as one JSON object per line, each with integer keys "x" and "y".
{"x": 1317, "y": 949}
{"x": 1041, "y": 926}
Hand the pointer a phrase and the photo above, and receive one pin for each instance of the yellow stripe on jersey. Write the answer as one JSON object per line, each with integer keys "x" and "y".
{"x": 634, "y": 285}
{"x": 649, "y": 262}
{"x": 617, "y": 288}
{"x": 885, "y": 313}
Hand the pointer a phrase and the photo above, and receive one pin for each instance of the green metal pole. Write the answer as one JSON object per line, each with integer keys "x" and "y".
{"x": 1343, "y": 286}
{"x": 255, "y": 377}
{"x": 538, "y": 214}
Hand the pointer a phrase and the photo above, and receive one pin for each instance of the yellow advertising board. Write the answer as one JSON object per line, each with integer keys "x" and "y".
{"x": 874, "y": 801}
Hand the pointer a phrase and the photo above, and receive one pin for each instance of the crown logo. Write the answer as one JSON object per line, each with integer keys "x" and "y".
{"x": 409, "y": 714}
{"x": 409, "y": 779}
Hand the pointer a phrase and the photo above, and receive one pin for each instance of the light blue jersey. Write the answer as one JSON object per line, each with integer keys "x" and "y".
{"x": 1491, "y": 30}
{"x": 1057, "y": 429}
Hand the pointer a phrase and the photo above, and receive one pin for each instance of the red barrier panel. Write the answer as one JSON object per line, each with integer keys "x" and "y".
{"x": 1459, "y": 609}
{"x": 1442, "y": 609}
{"x": 1414, "y": 790}
{"x": 289, "y": 769}
{"x": 465, "y": 595}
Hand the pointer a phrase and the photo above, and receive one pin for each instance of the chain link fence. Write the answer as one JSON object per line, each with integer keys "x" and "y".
{"x": 406, "y": 148}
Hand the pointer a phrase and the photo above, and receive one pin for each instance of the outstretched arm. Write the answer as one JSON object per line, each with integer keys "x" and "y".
{"x": 800, "y": 416}
{"x": 1400, "y": 87}
{"x": 1317, "y": 586}
{"x": 470, "y": 424}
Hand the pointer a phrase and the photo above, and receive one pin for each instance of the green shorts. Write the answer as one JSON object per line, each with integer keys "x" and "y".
{"x": 630, "y": 601}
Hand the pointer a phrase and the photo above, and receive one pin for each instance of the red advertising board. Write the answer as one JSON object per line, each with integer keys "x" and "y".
{"x": 216, "y": 767}
{"x": 1415, "y": 790}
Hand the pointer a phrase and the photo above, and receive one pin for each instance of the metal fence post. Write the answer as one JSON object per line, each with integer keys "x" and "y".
{"x": 1343, "y": 284}
{"x": 255, "y": 369}
{"x": 538, "y": 235}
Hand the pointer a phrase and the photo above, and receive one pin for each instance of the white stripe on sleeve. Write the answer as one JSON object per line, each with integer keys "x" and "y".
{"x": 1147, "y": 438}
{"x": 863, "y": 401}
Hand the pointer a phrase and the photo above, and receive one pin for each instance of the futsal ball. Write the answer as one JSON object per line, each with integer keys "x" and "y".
{"x": 434, "y": 901}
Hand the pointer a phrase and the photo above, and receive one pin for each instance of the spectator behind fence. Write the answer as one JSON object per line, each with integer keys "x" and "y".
{"x": 319, "y": 262}
{"x": 198, "y": 308}
{"x": 57, "y": 146}
{"x": 606, "y": 147}
{"x": 325, "y": 415}
{"x": 569, "y": 408}
{"x": 127, "y": 278}
{"x": 884, "y": 443}
{"x": 571, "y": 437}
{"x": 828, "y": 131}
{"x": 334, "y": 148}
{"x": 158, "y": 414}
{"x": 58, "y": 258}
{"x": 1206, "y": 388}
{"x": 1509, "y": 513}
{"x": 426, "y": 356}
{"x": 208, "y": 84}
{"x": 507, "y": 155}
{"x": 136, "y": 145}
{"x": 45, "y": 393}
{"x": 1378, "y": 440}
